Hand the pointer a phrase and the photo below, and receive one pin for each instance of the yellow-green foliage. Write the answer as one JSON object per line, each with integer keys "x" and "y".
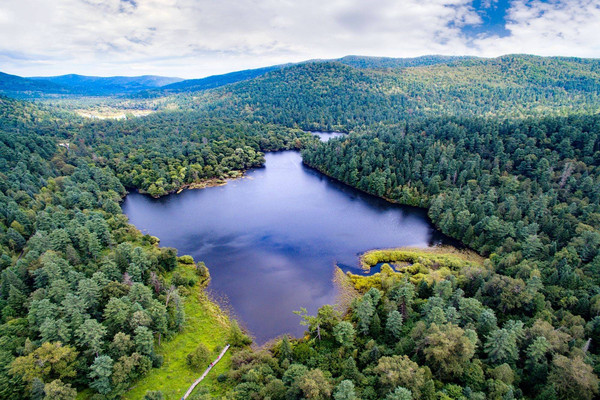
{"x": 381, "y": 280}
{"x": 185, "y": 259}
{"x": 415, "y": 265}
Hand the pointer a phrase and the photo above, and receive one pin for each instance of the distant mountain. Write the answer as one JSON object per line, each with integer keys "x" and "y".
{"x": 362, "y": 62}
{"x": 79, "y": 85}
{"x": 13, "y": 83}
{"x": 99, "y": 86}
{"x": 211, "y": 82}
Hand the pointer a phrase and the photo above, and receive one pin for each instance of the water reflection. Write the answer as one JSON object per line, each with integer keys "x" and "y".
{"x": 272, "y": 239}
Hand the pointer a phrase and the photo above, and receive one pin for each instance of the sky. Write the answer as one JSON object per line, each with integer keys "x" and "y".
{"x": 197, "y": 38}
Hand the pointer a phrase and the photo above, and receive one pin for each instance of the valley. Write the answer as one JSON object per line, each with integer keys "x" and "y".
{"x": 117, "y": 282}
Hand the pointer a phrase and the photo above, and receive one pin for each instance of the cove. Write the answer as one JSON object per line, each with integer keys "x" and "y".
{"x": 273, "y": 238}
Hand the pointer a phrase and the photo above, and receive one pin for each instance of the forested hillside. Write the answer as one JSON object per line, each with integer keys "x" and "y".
{"x": 82, "y": 294}
{"x": 215, "y": 81}
{"x": 388, "y": 62}
{"x": 333, "y": 96}
{"x": 85, "y": 297}
{"x": 211, "y": 82}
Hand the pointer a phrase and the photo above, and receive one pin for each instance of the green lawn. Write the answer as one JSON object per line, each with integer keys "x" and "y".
{"x": 206, "y": 323}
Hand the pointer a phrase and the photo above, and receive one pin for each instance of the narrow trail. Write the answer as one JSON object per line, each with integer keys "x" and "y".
{"x": 197, "y": 381}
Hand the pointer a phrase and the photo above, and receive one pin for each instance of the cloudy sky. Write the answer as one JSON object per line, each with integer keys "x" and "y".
{"x": 196, "y": 38}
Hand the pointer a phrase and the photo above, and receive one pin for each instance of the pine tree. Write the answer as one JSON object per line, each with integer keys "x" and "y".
{"x": 345, "y": 391}
{"x": 100, "y": 372}
{"x": 364, "y": 312}
{"x": 285, "y": 349}
{"x": 393, "y": 325}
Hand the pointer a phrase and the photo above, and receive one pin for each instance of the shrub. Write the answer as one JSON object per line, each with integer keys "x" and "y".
{"x": 202, "y": 272}
{"x": 199, "y": 357}
{"x": 180, "y": 280}
{"x": 186, "y": 260}
{"x": 236, "y": 337}
{"x": 154, "y": 395}
{"x": 157, "y": 360}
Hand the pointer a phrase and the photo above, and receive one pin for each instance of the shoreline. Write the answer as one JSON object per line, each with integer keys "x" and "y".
{"x": 208, "y": 183}
{"x": 202, "y": 185}
{"x": 456, "y": 242}
{"x": 391, "y": 201}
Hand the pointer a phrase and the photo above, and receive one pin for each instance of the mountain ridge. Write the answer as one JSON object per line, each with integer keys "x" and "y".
{"x": 147, "y": 86}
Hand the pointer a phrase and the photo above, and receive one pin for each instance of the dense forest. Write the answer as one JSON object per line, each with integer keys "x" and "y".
{"x": 401, "y": 341}
{"x": 504, "y": 153}
{"x": 81, "y": 292}
{"x": 525, "y": 193}
{"x": 85, "y": 297}
{"x": 165, "y": 152}
{"x": 335, "y": 96}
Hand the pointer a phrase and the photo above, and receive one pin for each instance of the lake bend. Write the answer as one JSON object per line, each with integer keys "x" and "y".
{"x": 272, "y": 239}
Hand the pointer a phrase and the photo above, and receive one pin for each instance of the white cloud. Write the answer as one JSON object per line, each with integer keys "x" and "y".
{"x": 567, "y": 28}
{"x": 193, "y": 38}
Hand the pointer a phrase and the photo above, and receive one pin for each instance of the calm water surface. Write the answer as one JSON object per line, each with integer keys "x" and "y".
{"x": 273, "y": 238}
{"x": 325, "y": 136}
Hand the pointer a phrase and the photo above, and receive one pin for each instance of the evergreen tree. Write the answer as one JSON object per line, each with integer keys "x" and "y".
{"x": 345, "y": 391}
{"x": 100, "y": 373}
{"x": 344, "y": 334}
{"x": 394, "y": 325}
{"x": 364, "y": 313}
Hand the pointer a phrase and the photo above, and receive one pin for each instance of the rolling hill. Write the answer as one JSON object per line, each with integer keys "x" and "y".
{"x": 101, "y": 86}
{"x": 214, "y": 81}
{"x": 78, "y": 85}
{"x": 333, "y": 95}
{"x": 12, "y": 84}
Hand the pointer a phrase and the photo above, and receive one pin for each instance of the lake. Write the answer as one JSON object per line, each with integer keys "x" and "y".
{"x": 273, "y": 238}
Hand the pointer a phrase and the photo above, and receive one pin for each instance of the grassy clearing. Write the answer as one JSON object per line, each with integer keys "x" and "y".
{"x": 205, "y": 323}
{"x": 415, "y": 264}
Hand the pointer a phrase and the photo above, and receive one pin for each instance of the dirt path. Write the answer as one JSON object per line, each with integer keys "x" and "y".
{"x": 197, "y": 381}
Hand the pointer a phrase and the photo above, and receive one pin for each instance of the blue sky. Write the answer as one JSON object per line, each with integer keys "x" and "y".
{"x": 195, "y": 38}
{"x": 493, "y": 19}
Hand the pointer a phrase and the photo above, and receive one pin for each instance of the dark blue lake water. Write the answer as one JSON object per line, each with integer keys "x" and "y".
{"x": 272, "y": 239}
